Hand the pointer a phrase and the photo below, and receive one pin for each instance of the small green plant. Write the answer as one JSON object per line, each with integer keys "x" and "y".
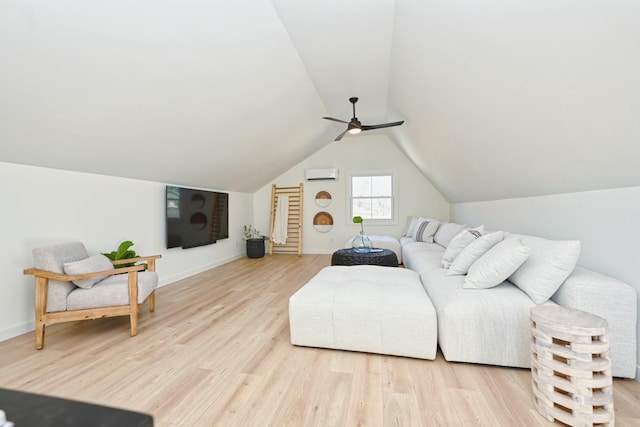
{"x": 251, "y": 233}
{"x": 358, "y": 220}
{"x": 123, "y": 252}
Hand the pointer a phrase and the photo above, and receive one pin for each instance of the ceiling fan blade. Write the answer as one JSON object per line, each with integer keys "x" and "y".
{"x": 384, "y": 125}
{"x": 335, "y": 120}
{"x": 339, "y": 137}
{"x": 354, "y": 126}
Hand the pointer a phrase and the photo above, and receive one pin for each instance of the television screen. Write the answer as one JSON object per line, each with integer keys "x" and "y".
{"x": 196, "y": 217}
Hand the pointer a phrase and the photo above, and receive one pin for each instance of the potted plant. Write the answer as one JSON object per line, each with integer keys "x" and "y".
{"x": 255, "y": 242}
{"x": 123, "y": 252}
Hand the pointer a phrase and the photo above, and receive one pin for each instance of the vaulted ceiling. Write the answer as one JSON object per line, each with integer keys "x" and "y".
{"x": 500, "y": 99}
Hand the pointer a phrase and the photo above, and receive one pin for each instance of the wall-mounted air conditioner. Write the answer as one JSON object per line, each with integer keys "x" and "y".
{"x": 321, "y": 174}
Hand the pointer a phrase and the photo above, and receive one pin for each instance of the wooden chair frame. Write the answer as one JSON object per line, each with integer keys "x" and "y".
{"x": 42, "y": 278}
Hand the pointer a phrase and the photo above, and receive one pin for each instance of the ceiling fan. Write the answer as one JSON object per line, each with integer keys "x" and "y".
{"x": 354, "y": 126}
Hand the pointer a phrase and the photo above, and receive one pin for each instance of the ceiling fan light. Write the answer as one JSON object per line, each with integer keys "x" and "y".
{"x": 354, "y": 131}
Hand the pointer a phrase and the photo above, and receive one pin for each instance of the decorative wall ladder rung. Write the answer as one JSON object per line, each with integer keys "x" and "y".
{"x": 293, "y": 245}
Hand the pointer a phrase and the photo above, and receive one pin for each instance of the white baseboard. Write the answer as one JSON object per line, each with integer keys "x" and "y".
{"x": 15, "y": 331}
{"x": 164, "y": 281}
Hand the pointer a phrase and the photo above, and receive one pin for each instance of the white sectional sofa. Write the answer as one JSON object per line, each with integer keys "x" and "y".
{"x": 483, "y": 299}
{"x": 470, "y": 293}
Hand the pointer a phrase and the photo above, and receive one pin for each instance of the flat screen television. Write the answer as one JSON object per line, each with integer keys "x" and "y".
{"x": 195, "y": 217}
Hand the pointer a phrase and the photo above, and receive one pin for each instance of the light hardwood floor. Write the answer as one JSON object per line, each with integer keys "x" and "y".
{"x": 216, "y": 353}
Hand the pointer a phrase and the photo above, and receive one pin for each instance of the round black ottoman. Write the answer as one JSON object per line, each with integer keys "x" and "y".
{"x": 383, "y": 257}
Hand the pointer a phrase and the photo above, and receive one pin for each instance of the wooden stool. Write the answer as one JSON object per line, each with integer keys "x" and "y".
{"x": 571, "y": 367}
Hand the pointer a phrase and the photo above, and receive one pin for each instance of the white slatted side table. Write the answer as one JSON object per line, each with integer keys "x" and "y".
{"x": 571, "y": 366}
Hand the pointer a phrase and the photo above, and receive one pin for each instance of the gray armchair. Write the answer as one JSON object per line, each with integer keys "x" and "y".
{"x": 71, "y": 285}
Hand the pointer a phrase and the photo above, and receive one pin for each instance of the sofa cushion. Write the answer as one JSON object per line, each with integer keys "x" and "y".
{"x": 405, "y": 239}
{"x": 446, "y": 232}
{"x": 420, "y": 256}
{"x": 425, "y": 230}
{"x": 91, "y": 264}
{"x": 473, "y": 251}
{"x": 496, "y": 265}
{"x": 550, "y": 263}
{"x": 488, "y": 326}
{"x": 458, "y": 243}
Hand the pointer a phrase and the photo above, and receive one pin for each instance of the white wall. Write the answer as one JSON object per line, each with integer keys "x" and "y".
{"x": 47, "y": 206}
{"x": 607, "y": 223}
{"x": 353, "y": 154}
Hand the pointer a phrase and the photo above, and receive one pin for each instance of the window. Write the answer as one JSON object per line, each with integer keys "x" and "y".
{"x": 372, "y": 196}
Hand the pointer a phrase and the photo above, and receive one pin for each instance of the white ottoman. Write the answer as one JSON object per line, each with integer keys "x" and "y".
{"x": 384, "y": 242}
{"x": 365, "y": 308}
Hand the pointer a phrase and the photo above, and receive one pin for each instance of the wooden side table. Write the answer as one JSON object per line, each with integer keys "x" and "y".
{"x": 571, "y": 366}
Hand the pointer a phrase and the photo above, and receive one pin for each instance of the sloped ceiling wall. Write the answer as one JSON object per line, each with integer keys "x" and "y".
{"x": 501, "y": 99}
{"x": 209, "y": 94}
{"x": 508, "y": 99}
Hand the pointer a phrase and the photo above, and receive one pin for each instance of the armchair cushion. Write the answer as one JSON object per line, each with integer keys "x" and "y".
{"x": 112, "y": 291}
{"x": 91, "y": 264}
{"x": 52, "y": 259}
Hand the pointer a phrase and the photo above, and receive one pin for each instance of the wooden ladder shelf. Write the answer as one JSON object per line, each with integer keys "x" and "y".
{"x": 293, "y": 245}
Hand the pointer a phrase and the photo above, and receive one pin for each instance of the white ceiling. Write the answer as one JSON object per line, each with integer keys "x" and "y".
{"x": 501, "y": 99}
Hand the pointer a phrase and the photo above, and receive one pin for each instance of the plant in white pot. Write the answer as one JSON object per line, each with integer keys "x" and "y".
{"x": 255, "y": 242}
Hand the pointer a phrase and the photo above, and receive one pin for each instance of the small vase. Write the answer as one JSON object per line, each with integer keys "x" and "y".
{"x": 361, "y": 243}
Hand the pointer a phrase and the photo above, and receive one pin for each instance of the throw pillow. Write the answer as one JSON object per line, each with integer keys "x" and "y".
{"x": 414, "y": 231}
{"x": 92, "y": 264}
{"x": 550, "y": 263}
{"x": 446, "y": 232}
{"x": 473, "y": 251}
{"x": 412, "y": 221}
{"x": 458, "y": 243}
{"x": 496, "y": 265}
{"x": 425, "y": 230}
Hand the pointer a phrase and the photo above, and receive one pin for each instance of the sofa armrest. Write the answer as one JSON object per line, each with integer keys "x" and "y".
{"x": 611, "y": 299}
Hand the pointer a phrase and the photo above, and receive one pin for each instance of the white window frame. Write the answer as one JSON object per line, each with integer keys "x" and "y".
{"x": 394, "y": 197}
